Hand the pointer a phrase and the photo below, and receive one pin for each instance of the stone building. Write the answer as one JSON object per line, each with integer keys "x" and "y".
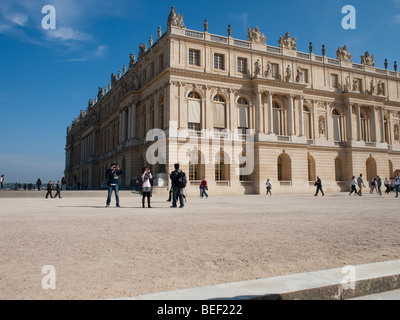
{"x": 224, "y": 103}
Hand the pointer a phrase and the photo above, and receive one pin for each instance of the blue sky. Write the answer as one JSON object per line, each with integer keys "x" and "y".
{"x": 48, "y": 76}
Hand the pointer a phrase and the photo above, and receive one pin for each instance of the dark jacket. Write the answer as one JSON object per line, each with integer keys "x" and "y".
{"x": 175, "y": 176}
{"x": 49, "y": 187}
{"x": 113, "y": 176}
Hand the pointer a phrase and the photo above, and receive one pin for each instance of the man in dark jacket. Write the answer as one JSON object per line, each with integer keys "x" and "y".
{"x": 178, "y": 181}
{"x": 318, "y": 184}
{"x": 112, "y": 175}
{"x": 49, "y": 188}
{"x": 58, "y": 189}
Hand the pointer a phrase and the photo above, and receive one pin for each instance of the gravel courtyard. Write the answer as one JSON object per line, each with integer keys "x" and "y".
{"x": 100, "y": 253}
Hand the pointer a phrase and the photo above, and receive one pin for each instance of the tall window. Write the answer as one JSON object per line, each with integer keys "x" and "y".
{"x": 152, "y": 119}
{"x": 338, "y": 170}
{"x": 284, "y": 168}
{"x": 219, "y": 167}
{"x": 194, "y": 57}
{"x": 242, "y": 65}
{"x": 219, "y": 61}
{"x": 364, "y": 128}
{"x": 219, "y": 112}
{"x": 243, "y": 115}
{"x": 337, "y": 126}
{"x": 194, "y": 166}
{"x": 277, "y": 115}
{"x": 161, "y": 62}
{"x": 162, "y": 112}
{"x": 275, "y": 70}
{"x": 194, "y": 111}
{"x": 307, "y": 123}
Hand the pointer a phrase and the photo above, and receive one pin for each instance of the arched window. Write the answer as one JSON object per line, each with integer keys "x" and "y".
{"x": 307, "y": 123}
{"x": 194, "y": 111}
{"x": 194, "y": 166}
{"x": 220, "y": 167}
{"x": 219, "y": 113}
{"x": 371, "y": 168}
{"x": 243, "y": 115}
{"x": 337, "y": 126}
{"x": 284, "y": 168}
{"x": 278, "y": 119}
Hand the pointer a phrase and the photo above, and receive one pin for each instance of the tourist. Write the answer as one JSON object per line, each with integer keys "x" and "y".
{"x": 112, "y": 176}
{"x": 38, "y": 184}
{"x": 318, "y": 184}
{"x": 387, "y": 185}
{"x": 269, "y": 187}
{"x": 203, "y": 187}
{"x": 49, "y": 189}
{"x": 379, "y": 185}
{"x": 361, "y": 184}
{"x": 353, "y": 186}
{"x": 178, "y": 181}
{"x": 58, "y": 189}
{"x": 2, "y": 182}
{"x": 396, "y": 184}
{"x": 146, "y": 187}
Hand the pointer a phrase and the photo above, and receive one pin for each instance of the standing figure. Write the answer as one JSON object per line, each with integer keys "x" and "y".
{"x": 112, "y": 176}
{"x": 2, "y": 182}
{"x": 269, "y": 187}
{"x": 318, "y": 184}
{"x": 178, "y": 181}
{"x": 361, "y": 184}
{"x": 38, "y": 184}
{"x": 58, "y": 189}
{"x": 353, "y": 186}
{"x": 203, "y": 187}
{"x": 387, "y": 185}
{"x": 379, "y": 184}
{"x": 396, "y": 184}
{"x": 146, "y": 186}
{"x": 49, "y": 189}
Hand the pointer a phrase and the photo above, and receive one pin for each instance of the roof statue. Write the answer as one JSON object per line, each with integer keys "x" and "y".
{"x": 255, "y": 35}
{"x": 287, "y": 42}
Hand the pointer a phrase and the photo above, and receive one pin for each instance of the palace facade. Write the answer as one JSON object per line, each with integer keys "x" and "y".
{"x": 289, "y": 116}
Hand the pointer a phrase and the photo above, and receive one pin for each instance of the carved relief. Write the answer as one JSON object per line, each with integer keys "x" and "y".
{"x": 255, "y": 35}
{"x": 287, "y": 42}
{"x": 343, "y": 55}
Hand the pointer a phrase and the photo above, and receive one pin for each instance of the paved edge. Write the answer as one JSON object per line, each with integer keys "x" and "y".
{"x": 319, "y": 285}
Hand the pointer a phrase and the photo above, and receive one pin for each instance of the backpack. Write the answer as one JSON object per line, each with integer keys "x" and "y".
{"x": 182, "y": 180}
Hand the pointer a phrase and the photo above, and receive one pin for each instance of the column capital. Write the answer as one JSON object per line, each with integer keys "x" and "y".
{"x": 270, "y": 93}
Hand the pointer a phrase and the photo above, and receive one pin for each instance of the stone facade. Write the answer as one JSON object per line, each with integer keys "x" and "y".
{"x": 299, "y": 115}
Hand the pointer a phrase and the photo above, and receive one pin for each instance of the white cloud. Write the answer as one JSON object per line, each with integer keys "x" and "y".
{"x": 67, "y": 34}
{"x": 101, "y": 50}
{"x": 20, "y": 19}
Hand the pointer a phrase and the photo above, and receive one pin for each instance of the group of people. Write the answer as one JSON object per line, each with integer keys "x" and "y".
{"x": 177, "y": 191}
{"x": 375, "y": 184}
{"x": 50, "y": 190}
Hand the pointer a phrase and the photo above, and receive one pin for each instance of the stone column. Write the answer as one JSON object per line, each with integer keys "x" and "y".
{"x": 358, "y": 122}
{"x": 374, "y": 136}
{"x": 133, "y": 121}
{"x": 290, "y": 116}
{"x": 382, "y": 125}
{"x": 129, "y": 123}
{"x": 301, "y": 116}
{"x": 258, "y": 122}
{"x": 120, "y": 128}
{"x": 350, "y": 122}
{"x": 124, "y": 126}
{"x": 270, "y": 113}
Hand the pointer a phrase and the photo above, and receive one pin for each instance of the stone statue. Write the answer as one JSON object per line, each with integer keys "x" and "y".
{"x": 175, "y": 20}
{"x": 113, "y": 79}
{"x": 299, "y": 76}
{"x": 372, "y": 87}
{"x": 268, "y": 71}
{"x": 255, "y": 35}
{"x": 159, "y": 32}
{"x": 124, "y": 69}
{"x": 368, "y": 60}
{"x": 288, "y": 73}
{"x": 132, "y": 60}
{"x": 347, "y": 84}
{"x": 150, "y": 41}
{"x": 380, "y": 88}
{"x": 321, "y": 126}
{"x": 90, "y": 104}
{"x": 101, "y": 93}
{"x": 396, "y": 133}
{"x": 119, "y": 74}
{"x": 343, "y": 55}
{"x": 142, "y": 50}
{"x": 287, "y": 42}
{"x": 257, "y": 68}
{"x": 356, "y": 86}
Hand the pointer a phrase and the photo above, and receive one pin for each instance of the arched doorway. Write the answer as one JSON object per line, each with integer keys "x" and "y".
{"x": 284, "y": 167}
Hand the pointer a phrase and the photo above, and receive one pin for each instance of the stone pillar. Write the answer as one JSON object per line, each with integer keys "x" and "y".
{"x": 382, "y": 125}
{"x": 374, "y": 136}
{"x": 358, "y": 122}
{"x": 270, "y": 113}
{"x": 301, "y": 116}
{"x": 120, "y": 128}
{"x": 123, "y": 125}
{"x": 133, "y": 121}
{"x": 350, "y": 123}
{"x": 258, "y": 121}
{"x": 129, "y": 123}
{"x": 290, "y": 116}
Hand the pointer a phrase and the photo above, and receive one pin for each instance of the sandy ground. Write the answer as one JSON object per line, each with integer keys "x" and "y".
{"x": 100, "y": 252}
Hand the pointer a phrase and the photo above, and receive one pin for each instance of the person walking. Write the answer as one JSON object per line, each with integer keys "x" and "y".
{"x": 203, "y": 188}
{"x": 379, "y": 185}
{"x": 269, "y": 187}
{"x": 146, "y": 187}
{"x": 58, "y": 189}
{"x": 387, "y": 185}
{"x": 318, "y": 184}
{"x": 178, "y": 181}
{"x": 361, "y": 184}
{"x": 396, "y": 185}
{"x": 112, "y": 176}
{"x": 353, "y": 186}
{"x": 2, "y": 182}
{"x": 49, "y": 189}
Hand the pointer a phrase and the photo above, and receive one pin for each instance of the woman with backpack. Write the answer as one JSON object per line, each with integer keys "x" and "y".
{"x": 146, "y": 187}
